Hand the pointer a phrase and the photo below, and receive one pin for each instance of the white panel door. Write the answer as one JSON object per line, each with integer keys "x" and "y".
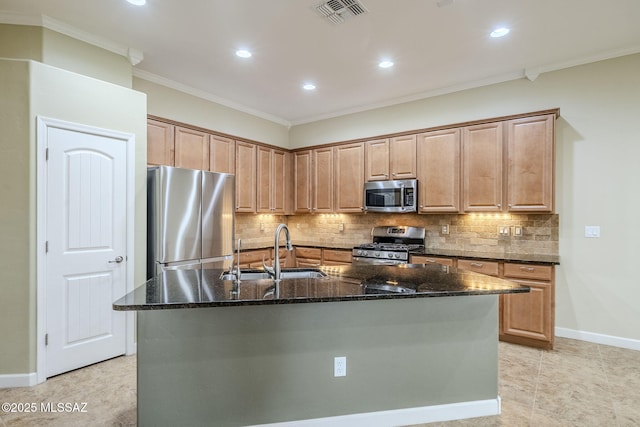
{"x": 86, "y": 238}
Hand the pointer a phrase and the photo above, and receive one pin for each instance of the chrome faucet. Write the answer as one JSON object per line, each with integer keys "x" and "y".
{"x": 238, "y": 261}
{"x": 275, "y": 270}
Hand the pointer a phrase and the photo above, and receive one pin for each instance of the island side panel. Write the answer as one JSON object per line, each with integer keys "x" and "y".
{"x": 237, "y": 366}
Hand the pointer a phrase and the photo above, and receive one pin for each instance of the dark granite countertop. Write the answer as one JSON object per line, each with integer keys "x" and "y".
{"x": 491, "y": 256}
{"x": 204, "y": 288}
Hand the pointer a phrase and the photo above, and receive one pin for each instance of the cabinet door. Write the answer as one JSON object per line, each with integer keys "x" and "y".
{"x": 322, "y": 187}
{"x": 192, "y": 149}
{"x": 279, "y": 181}
{"x": 336, "y": 257}
{"x": 222, "y": 154}
{"x": 264, "y": 187}
{"x": 377, "y": 160}
{"x": 349, "y": 176}
{"x": 302, "y": 161}
{"x": 482, "y": 168}
{"x": 160, "y": 143}
{"x": 402, "y": 157}
{"x": 438, "y": 155}
{"x": 530, "y": 164}
{"x": 528, "y": 318}
{"x": 245, "y": 177}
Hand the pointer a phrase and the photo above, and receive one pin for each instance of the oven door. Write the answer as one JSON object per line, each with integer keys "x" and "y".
{"x": 376, "y": 261}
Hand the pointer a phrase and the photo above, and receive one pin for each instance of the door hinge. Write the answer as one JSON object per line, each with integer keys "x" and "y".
{"x": 46, "y": 247}
{"x": 46, "y": 339}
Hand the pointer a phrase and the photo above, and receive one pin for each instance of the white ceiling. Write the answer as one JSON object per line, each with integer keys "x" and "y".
{"x": 190, "y": 44}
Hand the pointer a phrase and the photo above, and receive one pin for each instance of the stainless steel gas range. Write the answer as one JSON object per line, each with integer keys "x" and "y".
{"x": 391, "y": 245}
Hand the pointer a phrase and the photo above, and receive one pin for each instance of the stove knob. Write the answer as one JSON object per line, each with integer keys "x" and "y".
{"x": 377, "y": 254}
{"x": 390, "y": 255}
{"x": 397, "y": 255}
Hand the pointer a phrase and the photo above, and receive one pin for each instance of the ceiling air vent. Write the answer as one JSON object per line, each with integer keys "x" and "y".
{"x": 337, "y": 11}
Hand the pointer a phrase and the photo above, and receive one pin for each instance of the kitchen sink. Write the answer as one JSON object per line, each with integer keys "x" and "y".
{"x": 288, "y": 273}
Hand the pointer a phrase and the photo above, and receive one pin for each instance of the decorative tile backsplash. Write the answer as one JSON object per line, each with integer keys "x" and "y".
{"x": 469, "y": 232}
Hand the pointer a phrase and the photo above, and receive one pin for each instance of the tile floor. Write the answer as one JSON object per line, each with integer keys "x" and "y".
{"x": 577, "y": 384}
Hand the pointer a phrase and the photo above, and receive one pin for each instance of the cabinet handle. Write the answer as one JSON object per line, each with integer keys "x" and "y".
{"x": 477, "y": 264}
{"x": 527, "y": 268}
{"x": 393, "y": 173}
{"x": 499, "y": 205}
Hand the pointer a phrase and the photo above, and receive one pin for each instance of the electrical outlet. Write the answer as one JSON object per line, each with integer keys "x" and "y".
{"x": 340, "y": 366}
{"x": 592, "y": 231}
{"x": 262, "y": 226}
{"x": 517, "y": 230}
{"x": 341, "y": 226}
{"x": 445, "y": 229}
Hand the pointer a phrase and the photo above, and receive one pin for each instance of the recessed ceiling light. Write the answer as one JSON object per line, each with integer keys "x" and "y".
{"x": 499, "y": 32}
{"x": 308, "y": 86}
{"x": 138, "y": 2}
{"x": 385, "y": 64}
{"x": 243, "y": 53}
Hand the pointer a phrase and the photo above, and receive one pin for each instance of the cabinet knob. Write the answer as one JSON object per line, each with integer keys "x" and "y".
{"x": 393, "y": 173}
{"x": 499, "y": 205}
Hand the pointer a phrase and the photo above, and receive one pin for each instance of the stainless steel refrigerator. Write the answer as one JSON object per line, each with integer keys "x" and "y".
{"x": 190, "y": 219}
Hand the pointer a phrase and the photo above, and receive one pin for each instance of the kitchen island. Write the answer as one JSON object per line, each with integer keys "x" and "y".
{"x": 420, "y": 341}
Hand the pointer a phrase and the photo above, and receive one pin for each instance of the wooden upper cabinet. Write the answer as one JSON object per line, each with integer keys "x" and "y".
{"x": 160, "y": 143}
{"x": 246, "y": 177}
{"x": 302, "y": 186}
{"x": 393, "y": 158}
{"x": 482, "y": 167}
{"x": 377, "y": 160}
{"x": 270, "y": 190}
{"x": 530, "y": 164}
{"x": 322, "y": 180}
{"x": 222, "y": 154}
{"x": 192, "y": 148}
{"x": 438, "y": 157}
{"x": 349, "y": 177}
{"x": 402, "y": 157}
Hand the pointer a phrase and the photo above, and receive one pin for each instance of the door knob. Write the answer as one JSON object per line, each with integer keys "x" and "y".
{"x": 118, "y": 260}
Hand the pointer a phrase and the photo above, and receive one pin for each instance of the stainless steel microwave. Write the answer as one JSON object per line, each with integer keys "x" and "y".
{"x": 391, "y": 196}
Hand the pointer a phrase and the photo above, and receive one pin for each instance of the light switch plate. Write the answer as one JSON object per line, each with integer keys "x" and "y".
{"x": 592, "y": 231}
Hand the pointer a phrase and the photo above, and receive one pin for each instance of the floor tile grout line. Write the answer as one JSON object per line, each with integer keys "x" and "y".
{"x": 606, "y": 377}
{"x": 535, "y": 390}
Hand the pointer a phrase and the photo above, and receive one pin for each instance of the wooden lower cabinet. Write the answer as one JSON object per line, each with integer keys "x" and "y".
{"x": 308, "y": 257}
{"x": 336, "y": 257}
{"x": 529, "y": 318}
{"x": 491, "y": 268}
{"x": 253, "y": 258}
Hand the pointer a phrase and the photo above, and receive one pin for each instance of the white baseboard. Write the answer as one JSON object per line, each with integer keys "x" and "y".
{"x": 18, "y": 380}
{"x": 593, "y": 337}
{"x": 396, "y": 417}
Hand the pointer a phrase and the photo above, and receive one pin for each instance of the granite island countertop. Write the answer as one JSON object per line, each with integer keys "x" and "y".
{"x": 180, "y": 289}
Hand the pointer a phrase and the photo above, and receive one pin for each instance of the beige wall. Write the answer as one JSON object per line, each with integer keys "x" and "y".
{"x": 597, "y": 175}
{"x": 17, "y": 272}
{"x": 172, "y": 104}
{"x": 21, "y": 41}
{"x": 74, "y": 55}
{"x": 36, "y": 89}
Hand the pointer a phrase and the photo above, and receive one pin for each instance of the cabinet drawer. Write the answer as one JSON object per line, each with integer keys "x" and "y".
{"x": 336, "y": 255}
{"x": 421, "y": 259}
{"x": 313, "y": 253}
{"x": 307, "y": 262}
{"x": 484, "y": 267}
{"x": 528, "y": 271}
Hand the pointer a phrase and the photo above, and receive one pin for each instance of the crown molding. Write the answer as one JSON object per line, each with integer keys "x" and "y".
{"x": 133, "y": 55}
{"x": 154, "y": 78}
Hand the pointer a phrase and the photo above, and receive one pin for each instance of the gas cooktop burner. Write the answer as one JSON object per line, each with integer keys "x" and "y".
{"x": 391, "y": 245}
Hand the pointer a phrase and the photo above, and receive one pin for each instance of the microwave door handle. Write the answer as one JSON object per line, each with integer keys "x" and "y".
{"x": 402, "y": 196}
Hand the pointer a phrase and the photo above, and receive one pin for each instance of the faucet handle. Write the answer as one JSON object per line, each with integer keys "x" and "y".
{"x": 268, "y": 269}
